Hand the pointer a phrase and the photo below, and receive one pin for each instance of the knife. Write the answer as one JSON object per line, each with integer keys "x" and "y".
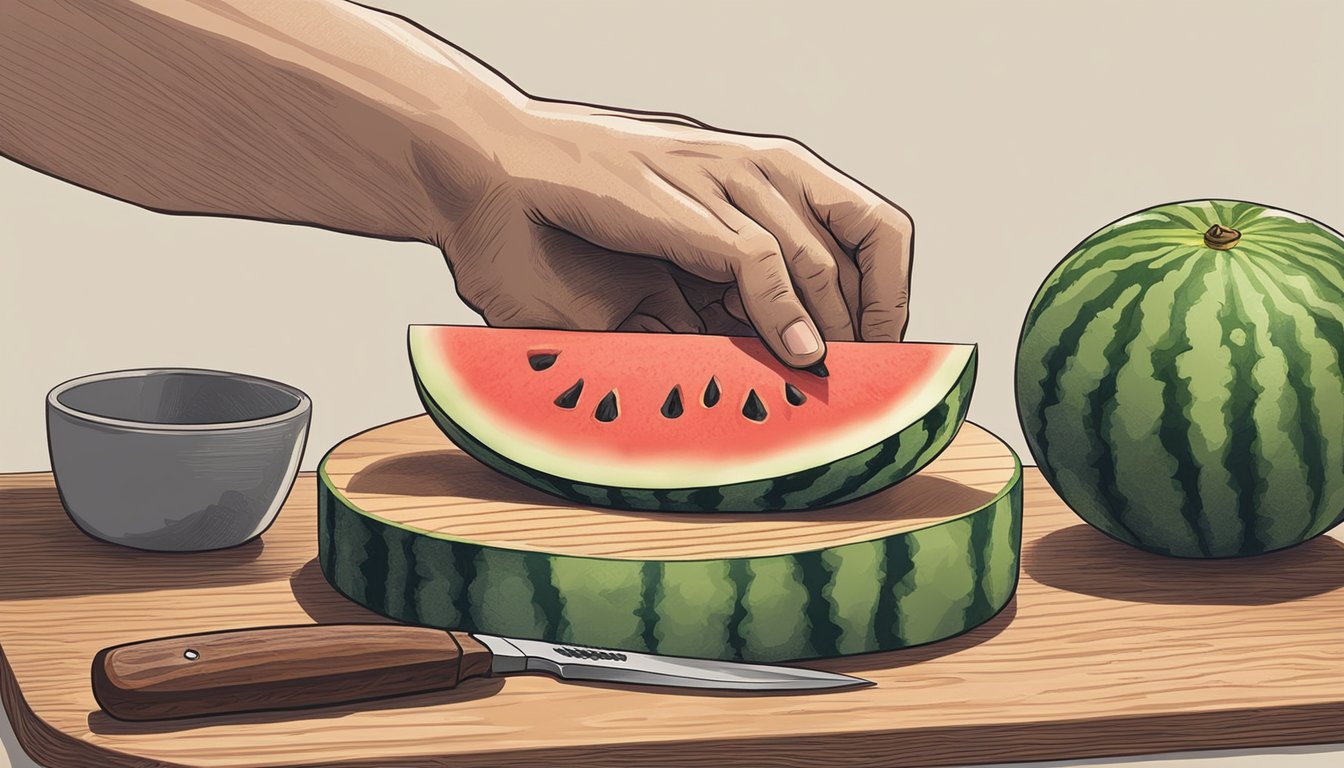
{"x": 270, "y": 668}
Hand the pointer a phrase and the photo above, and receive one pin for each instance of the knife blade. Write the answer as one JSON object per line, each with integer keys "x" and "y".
{"x": 294, "y": 667}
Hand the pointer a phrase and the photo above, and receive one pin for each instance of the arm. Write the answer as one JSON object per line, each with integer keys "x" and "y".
{"x": 326, "y": 113}
{"x": 304, "y": 111}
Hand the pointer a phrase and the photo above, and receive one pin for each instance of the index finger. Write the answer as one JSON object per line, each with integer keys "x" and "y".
{"x": 878, "y": 234}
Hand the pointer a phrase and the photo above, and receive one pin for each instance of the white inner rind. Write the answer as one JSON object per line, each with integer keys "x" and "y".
{"x": 552, "y": 456}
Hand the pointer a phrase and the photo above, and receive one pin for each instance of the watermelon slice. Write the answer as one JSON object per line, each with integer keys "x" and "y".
{"x": 690, "y": 423}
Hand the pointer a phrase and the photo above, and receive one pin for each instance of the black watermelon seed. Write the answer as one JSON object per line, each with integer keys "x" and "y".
{"x": 570, "y": 397}
{"x": 541, "y": 362}
{"x": 818, "y": 369}
{"x": 753, "y": 409}
{"x": 794, "y": 395}
{"x": 607, "y": 410}
{"x": 711, "y": 397}
{"x": 672, "y": 405}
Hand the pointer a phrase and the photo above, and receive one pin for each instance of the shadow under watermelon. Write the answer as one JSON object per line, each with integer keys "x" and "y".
{"x": 1083, "y": 560}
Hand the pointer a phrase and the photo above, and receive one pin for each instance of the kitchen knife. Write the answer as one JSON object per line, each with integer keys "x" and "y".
{"x": 271, "y": 668}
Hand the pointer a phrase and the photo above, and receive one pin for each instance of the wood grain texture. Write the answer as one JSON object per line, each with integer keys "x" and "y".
{"x": 1105, "y": 651}
{"x": 407, "y": 473}
{"x": 278, "y": 668}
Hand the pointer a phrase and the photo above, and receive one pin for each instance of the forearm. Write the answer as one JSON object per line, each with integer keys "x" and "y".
{"x": 312, "y": 111}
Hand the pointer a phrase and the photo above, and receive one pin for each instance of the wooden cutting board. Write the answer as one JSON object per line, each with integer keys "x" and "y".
{"x": 1104, "y": 651}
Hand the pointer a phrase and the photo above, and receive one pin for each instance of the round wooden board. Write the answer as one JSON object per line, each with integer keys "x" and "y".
{"x": 408, "y": 473}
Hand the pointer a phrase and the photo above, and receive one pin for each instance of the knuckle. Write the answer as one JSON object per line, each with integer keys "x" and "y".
{"x": 878, "y": 214}
{"x": 758, "y": 249}
{"x": 885, "y": 322}
{"x": 898, "y": 220}
{"x": 791, "y": 153}
{"x": 769, "y": 286}
{"x": 811, "y": 266}
{"x": 894, "y": 301}
{"x": 743, "y": 173}
{"x": 881, "y": 314}
{"x": 779, "y": 149}
{"x": 777, "y": 292}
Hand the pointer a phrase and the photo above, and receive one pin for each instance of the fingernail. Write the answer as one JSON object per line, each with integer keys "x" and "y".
{"x": 800, "y": 339}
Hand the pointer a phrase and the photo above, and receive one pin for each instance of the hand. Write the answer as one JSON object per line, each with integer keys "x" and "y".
{"x": 597, "y": 219}
{"x": 550, "y": 214}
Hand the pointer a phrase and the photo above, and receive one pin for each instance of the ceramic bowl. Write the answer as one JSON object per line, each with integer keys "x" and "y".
{"x": 175, "y": 459}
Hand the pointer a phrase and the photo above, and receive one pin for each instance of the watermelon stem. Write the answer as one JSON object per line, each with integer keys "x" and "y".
{"x": 1221, "y": 238}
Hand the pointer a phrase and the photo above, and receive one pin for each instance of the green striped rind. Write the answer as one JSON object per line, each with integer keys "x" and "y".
{"x": 860, "y": 474}
{"x": 910, "y": 588}
{"x": 1186, "y": 400}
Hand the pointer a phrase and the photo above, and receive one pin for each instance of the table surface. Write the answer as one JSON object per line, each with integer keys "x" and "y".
{"x": 1141, "y": 653}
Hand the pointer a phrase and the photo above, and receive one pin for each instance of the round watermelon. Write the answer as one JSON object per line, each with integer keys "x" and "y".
{"x": 1179, "y": 379}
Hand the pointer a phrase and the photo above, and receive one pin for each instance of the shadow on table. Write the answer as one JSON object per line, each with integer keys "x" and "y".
{"x": 324, "y": 604}
{"x": 1083, "y": 560}
{"x": 49, "y": 556}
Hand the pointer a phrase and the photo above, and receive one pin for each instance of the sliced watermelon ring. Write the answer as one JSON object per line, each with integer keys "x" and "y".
{"x": 690, "y": 422}
{"x": 918, "y": 565}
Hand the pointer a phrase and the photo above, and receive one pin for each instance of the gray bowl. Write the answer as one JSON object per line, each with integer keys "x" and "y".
{"x": 175, "y": 459}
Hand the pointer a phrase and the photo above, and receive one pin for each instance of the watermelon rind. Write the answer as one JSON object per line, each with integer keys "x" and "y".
{"x": 1187, "y": 399}
{"x": 859, "y": 474}
{"x": 912, "y": 587}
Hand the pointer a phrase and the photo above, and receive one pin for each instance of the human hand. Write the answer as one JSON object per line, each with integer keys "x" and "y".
{"x": 549, "y": 214}
{"x": 598, "y": 219}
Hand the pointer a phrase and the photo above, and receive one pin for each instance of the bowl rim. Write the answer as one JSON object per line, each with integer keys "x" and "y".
{"x": 302, "y": 407}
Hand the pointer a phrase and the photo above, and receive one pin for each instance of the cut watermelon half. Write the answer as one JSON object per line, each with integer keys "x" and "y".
{"x": 686, "y": 422}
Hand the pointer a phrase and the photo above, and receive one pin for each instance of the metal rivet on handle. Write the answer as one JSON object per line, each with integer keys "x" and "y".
{"x": 191, "y": 655}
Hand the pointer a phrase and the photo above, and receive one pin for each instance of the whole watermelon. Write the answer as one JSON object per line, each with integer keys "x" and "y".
{"x": 1179, "y": 379}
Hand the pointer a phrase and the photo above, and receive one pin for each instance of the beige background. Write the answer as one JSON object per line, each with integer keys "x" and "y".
{"x": 1008, "y": 130}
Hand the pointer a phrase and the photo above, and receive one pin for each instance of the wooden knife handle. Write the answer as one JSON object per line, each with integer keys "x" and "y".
{"x": 270, "y": 668}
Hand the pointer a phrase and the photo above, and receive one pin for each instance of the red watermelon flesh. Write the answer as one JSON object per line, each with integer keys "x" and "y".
{"x": 646, "y": 415}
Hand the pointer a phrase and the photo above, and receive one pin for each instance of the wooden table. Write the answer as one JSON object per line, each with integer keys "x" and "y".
{"x": 1104, "y": 651}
